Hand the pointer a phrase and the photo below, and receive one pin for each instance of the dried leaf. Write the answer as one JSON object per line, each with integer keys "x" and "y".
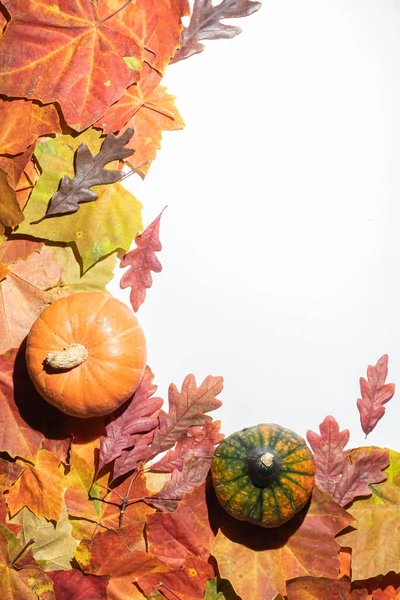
{"x": 21, "y": 583}
{"x": 187, "y": 582}
{"x": 39, "y": 487}
{"x": 18, "y": 249}
{"x": 89, "y": 171}
{"x": 345, "y": 474}
{"x": 22, "y": 122}
{"x": 374, "y": 394}
{"x": 186, "y": 409}
{"x": 205, "y": 24}
{"x": 74, "y": 585}
{"x": 258, "y": 562}
{"x": 79, "y": 46}
{"x": 141, "y": 261}
{"x": 375, "y": 544}
{"x": 171, "y": 536}
{"x": 200, "y": 440}
{"x": 194, "y": 472}
{"x": 27, "y": 287}
{"x": 138, "y": 416}
{"x": 322, "y": 588}
{"x": 98, "y": 228}
{"x": 10, "y": 212}
{"x": 53, "y": 547}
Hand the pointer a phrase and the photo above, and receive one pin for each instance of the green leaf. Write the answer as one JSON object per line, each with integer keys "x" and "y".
{"x": 99, "y": 228}
{"x": 211, "y": 592}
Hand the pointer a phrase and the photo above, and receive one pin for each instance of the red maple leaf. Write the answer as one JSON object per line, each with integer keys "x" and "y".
{"x": 374, "y": 394}
{"x": 141, "y": 261}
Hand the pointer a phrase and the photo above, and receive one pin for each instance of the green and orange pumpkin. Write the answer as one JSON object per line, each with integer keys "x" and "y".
{"x": 263, "y": 474}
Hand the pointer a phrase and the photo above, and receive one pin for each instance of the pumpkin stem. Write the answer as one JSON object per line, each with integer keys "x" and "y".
{"x": 68, "y": 358}
{"x": 267, "y": 459}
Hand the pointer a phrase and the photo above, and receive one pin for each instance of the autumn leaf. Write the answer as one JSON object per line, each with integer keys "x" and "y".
{"x": 345, "y": 474}
{"x": 258, "y": 562}
{"x": 186, "y": 409}
{"x": 18, "y": 249}
{"x": 148, "y": 108}
{"x": 113, "y": 553}
{"x": 141, "y": 261}
{"x": 205, "y": 24}
{"x": 21, "y": 583}
{"x": 374, "y": 394}
{"x": 200, "y": 440}
{"x": 39, "y": 487}
{"x": 374, "y": 543}
{"x": 10, "y": 212}
{"x": 53, "y": 547}
{"x": 94, "y": 279}
{"x": 89, "y": 171}
{"x": 194, "y": 472}
{"x": 138, "y": 416}
{"x": 25, "y": 288}
{"x": 97, "y": 229}
{"x": 22, "y": 122}
{"x": 319, "y": 588}
{"x": 187, "y": 582}
{"x": 74, "y": 585}
{"x": 171, "y": 536}
{"x": 80, "y": 47}
{"x": 17, "y": 438}
{"x": 211, "y": 592}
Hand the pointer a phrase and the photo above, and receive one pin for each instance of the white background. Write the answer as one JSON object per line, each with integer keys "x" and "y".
{"x": 281, "y": 237}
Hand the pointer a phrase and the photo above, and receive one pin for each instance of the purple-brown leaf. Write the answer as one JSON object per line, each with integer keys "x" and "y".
{"x": 205, "y": 24}
{"x": 141, "y": 261}
{"x": 374, "y": 394}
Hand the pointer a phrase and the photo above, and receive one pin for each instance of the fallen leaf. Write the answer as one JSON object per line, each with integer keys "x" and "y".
{"x": 53, "y": 547}
{"x": 28, "y": 286}
{"x": 18, "y": 249}
{"x": 109, "y": 553}
{"x": 22, "y": 122}
{"x": 21, "y": 583}
{"x": 194, "y": 472}
{"x": 200, "y": 440}
{"x": 39, "y": 487}
{"x": 205, "y": 24}
{"x": 374, "y": 543}
{"x": 17, "y": 438}
{"x": 186, "y": 409}
{"x": 74, "y": 585}
{"x": 141, "y": 261}
{"x": 345, "y": 474}
{"x": 10, "y": 212}
{"x": 80, "y": 47}
{"x": 138, "y": 416}
{"x": 211, "y": 591}
{"x": 187, "y": 582}
{"x": 374, "y": 394}
{"x": 98, "y": 228}
{"x": 89, "y": 171}
{"x": 322, "y": 588}
{"x": 258, "y": 562}
{"x": 171, "y": 536}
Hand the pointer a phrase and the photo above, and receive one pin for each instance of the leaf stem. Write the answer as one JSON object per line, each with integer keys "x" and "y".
{"x": 21, "y": 552}
{"x": 116, "y": 11}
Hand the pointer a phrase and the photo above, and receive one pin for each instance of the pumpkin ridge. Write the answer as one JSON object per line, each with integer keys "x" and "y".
{"x": 63, "y": 341}
{"x": 118, "y": 335}
{"x": 277, "y": 508}
{"x": 295, "y": 482}
{"x": 299, "y": 445}
{"x": 288, "y": 495}
{"x": 235, "y": 494}
{"x": 223, "y": 483}
{"x": 239, "y": 439}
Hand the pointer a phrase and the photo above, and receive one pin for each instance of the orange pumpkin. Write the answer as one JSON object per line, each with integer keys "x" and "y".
{"x": 86, "y": 354}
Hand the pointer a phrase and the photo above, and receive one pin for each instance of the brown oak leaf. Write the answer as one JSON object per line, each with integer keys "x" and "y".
{"x": 374, "y": 394}
{"x": 141, "y": 261}
{"x": 205, "y": 24}
{"x": 10, "y": 212}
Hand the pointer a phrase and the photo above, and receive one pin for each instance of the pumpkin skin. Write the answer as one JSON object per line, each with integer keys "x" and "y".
{"x": 263, "y": 474}
{"x": 116, "y": 354}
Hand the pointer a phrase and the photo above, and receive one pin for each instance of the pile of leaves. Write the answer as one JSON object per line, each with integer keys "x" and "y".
{"x": 122, "y": 506}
